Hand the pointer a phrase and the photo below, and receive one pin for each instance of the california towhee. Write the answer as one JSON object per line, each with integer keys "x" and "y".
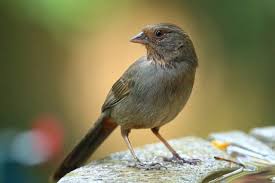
{"x": 151, "y": 93}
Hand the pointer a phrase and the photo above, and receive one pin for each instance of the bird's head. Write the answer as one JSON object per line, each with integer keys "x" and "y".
{"x": 166, "y": 42}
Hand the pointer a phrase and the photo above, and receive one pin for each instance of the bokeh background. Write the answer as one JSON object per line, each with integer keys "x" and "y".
{"x": 59, "y": 58}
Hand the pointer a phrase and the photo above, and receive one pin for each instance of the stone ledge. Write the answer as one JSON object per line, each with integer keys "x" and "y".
{"x": 115, "y": 167}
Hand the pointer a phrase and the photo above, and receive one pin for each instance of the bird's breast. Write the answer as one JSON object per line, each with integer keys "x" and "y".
{"x": 164, "y": 90}
{"x": 157, "y": 96}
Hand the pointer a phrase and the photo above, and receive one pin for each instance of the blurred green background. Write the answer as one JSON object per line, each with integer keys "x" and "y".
{"x": 61, "y": 57}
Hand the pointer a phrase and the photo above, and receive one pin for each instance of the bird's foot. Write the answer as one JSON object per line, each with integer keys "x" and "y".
{"x": 148, "y": 166}
{"x": 180, "y": 160}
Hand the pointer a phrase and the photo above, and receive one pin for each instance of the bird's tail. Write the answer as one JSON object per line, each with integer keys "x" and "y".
{"x": 102, "y": 128}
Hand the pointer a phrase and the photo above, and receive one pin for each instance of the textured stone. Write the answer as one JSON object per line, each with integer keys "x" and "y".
{"x": 245, "y": 141}
{"x": 246, "y": 149}
{"x": 251, "y": 150}
{"x": 115, "y": 168}
{"x": 265, "y": 134}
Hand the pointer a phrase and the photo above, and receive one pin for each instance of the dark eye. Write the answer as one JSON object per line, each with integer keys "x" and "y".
{"x": 158, "y": 33}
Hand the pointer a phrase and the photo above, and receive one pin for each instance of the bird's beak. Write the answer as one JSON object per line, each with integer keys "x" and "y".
{"x": 140, "y": 38}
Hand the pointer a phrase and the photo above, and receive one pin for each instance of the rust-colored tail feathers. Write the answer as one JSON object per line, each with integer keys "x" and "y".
{"x": 102, "y": 128}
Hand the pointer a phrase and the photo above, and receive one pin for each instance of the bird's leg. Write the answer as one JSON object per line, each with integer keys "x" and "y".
{"x": 176, "y": 157}
{"x": 125, "y": 134}
{"x": 138, "y": 164}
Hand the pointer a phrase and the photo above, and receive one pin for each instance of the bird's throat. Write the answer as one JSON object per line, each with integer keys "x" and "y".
{"x": 155, "y": 56}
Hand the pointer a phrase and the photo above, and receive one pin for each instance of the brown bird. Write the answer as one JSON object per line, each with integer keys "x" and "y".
{"x": 151, "y": 93}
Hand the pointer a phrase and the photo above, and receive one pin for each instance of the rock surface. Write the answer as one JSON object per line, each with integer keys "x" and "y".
{"x": 265, "y": 134}
{"x": 115, "y": 168}
{"x": 254, "y": 150}
{"x": 244, "y": 141}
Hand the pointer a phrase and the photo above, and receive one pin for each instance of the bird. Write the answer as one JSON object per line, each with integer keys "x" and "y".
{"x": 149, "y": 94}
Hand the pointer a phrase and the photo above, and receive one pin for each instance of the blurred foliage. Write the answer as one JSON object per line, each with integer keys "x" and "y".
{"x": 61, "y": 15}
{"x": 247, "y": 29}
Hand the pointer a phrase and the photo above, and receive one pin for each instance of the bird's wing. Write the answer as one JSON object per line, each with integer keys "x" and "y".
{"x": 118, "y": 92}
{"x": 122, "y": 88}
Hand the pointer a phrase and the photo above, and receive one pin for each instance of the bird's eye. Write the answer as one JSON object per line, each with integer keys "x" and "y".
{"x": 158, "y": 33}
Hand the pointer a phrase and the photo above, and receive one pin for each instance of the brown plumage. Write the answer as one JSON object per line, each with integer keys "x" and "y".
{"x": 88, "y": 144}
{"x": 151, "y": 93}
